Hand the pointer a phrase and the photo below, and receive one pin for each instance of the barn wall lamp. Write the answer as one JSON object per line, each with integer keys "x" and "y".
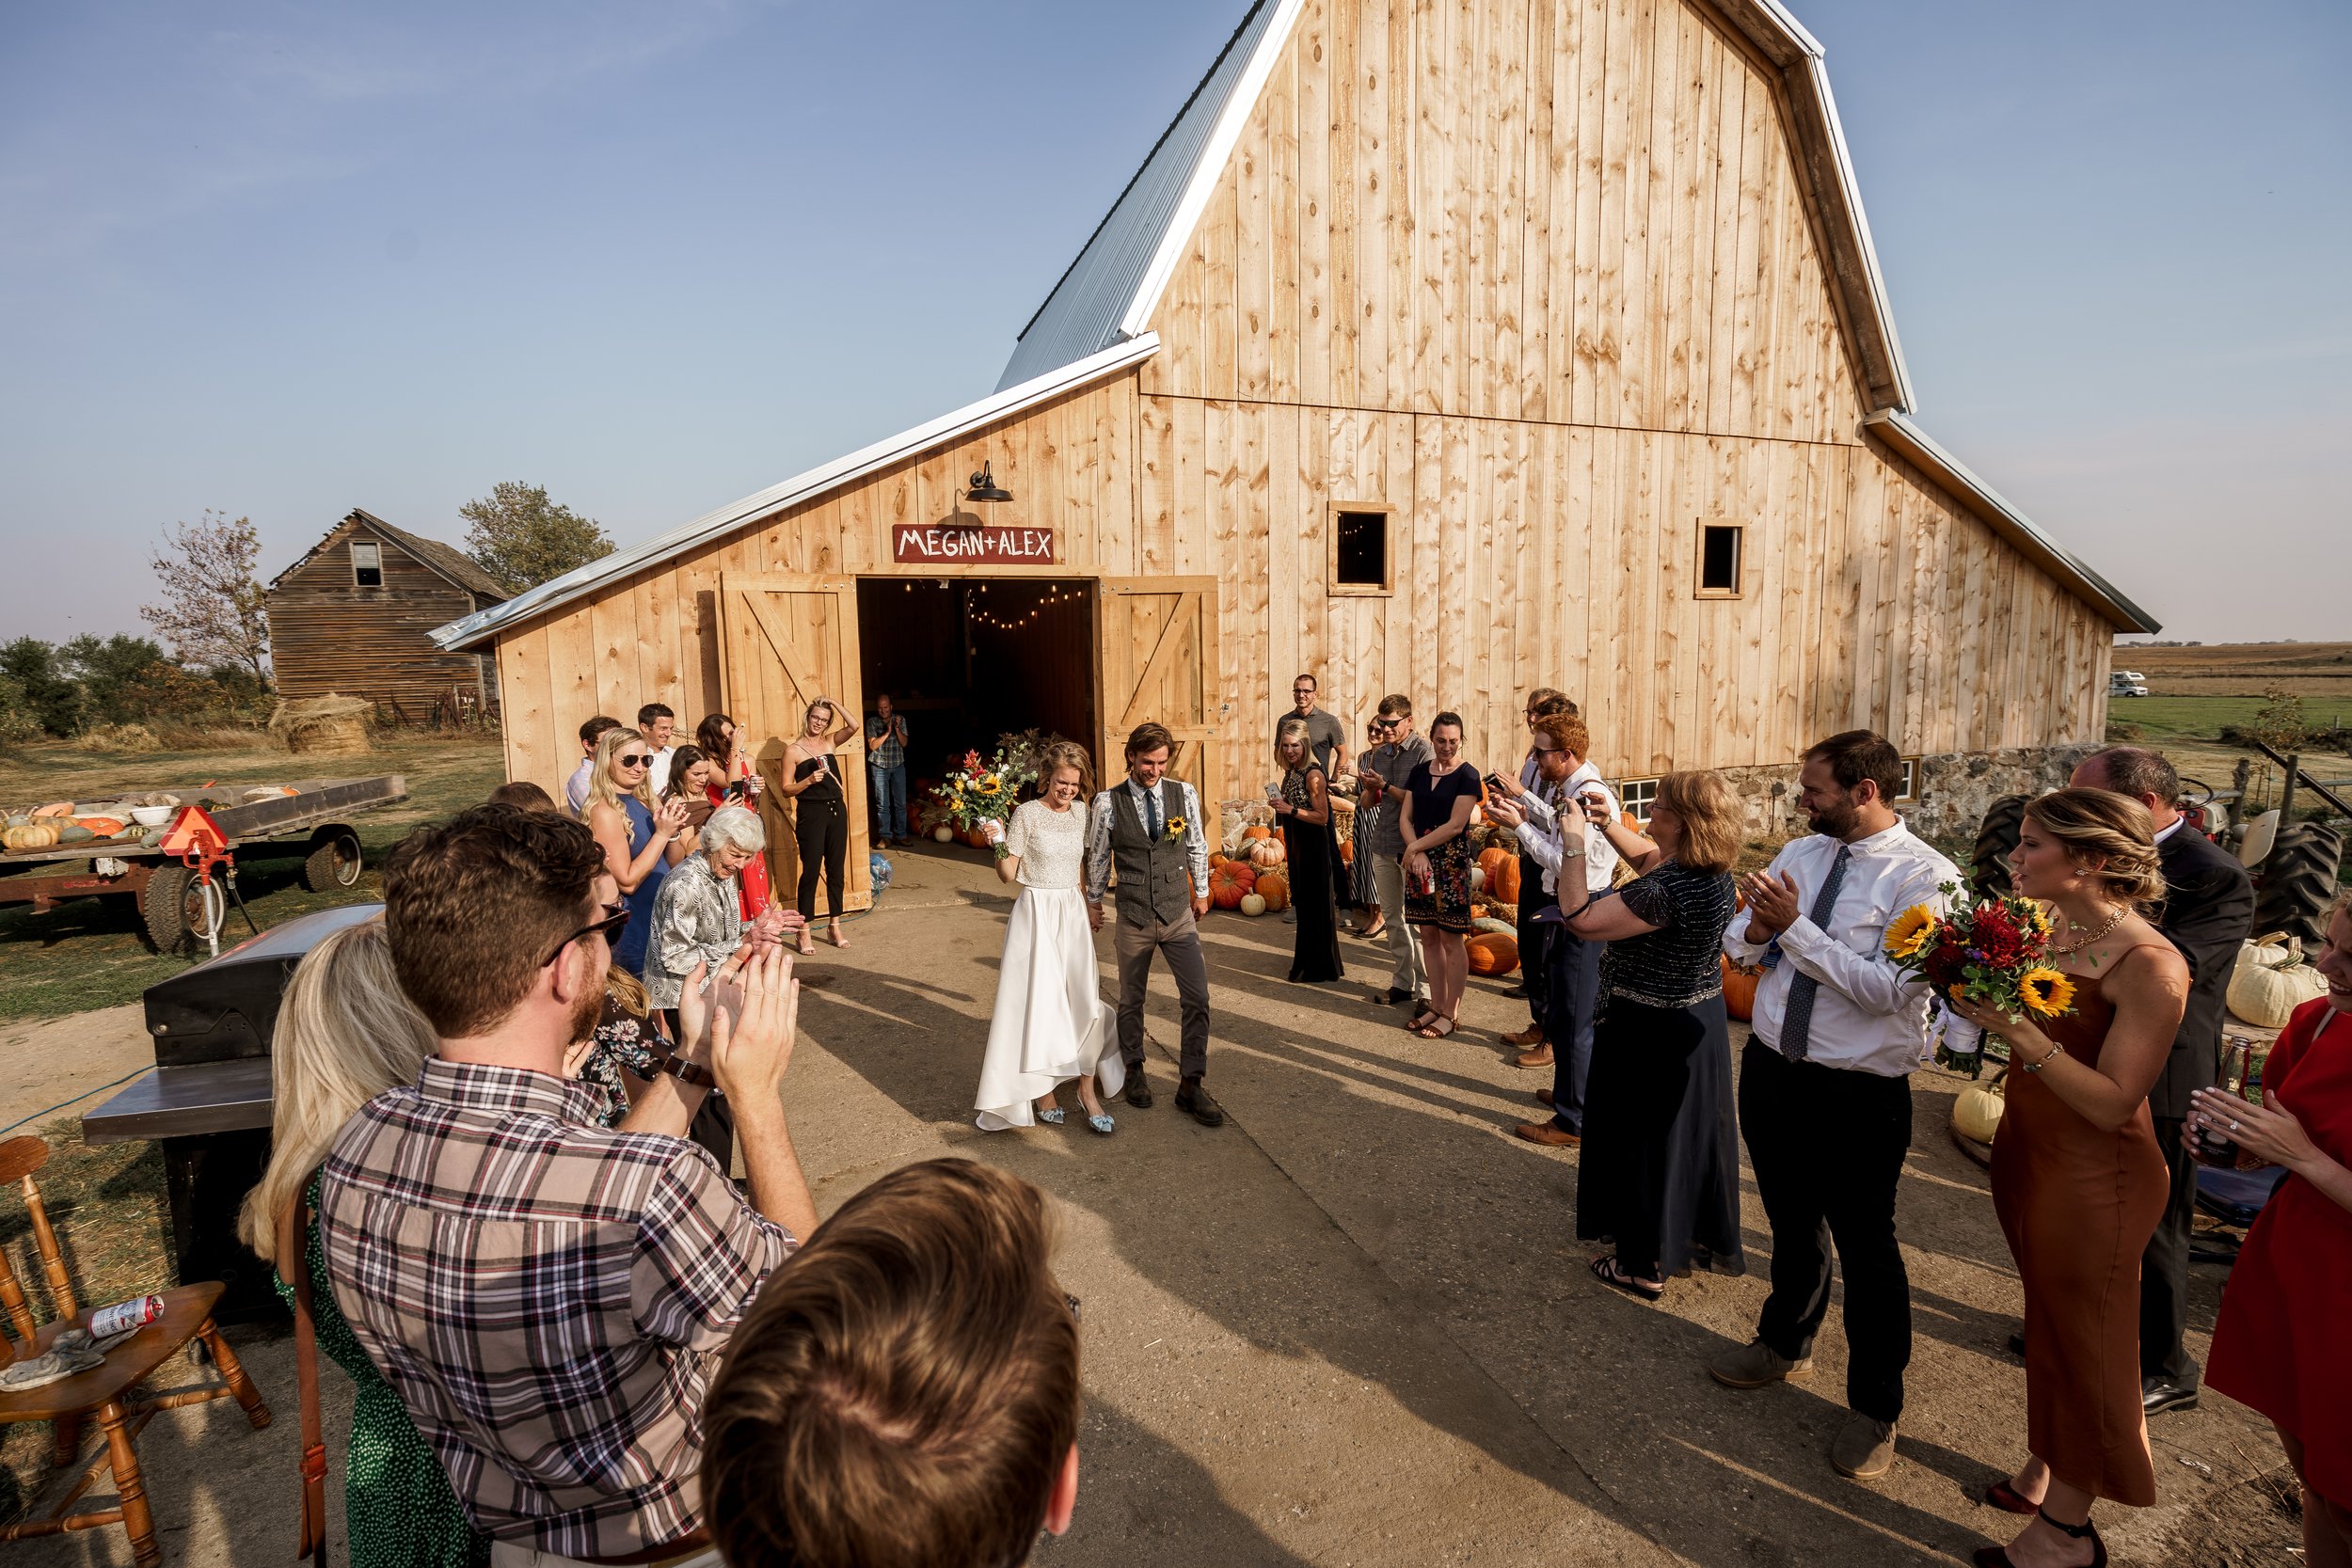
{"x": 985, "y": 488}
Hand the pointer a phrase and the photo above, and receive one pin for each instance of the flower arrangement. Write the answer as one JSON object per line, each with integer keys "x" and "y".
{"x": 981, "y": 792}
{"x": 1989, "y": 949}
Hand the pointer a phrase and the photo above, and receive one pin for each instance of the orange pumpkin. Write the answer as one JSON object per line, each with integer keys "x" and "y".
{"x": 1274, "y": 886}
{"x": 1490, "y": 861}
{"x": 1502, "y": 885}
{"x": 1492, "y": 953}
{"x": 1256, "y": 833}
{"x": 1347, "y": 851}
{"x": 1740, "y": 990}
{"x": 101, "y": 826}
{"x": 1266, "y": 852}
{"x": 1230, "y": 883}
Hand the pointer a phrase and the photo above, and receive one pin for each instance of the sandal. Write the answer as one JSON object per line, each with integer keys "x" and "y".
{"x": 1610, "y": 1272}
{"x": 1422, "y": 1020}
{"x": 1431, "y": 1032}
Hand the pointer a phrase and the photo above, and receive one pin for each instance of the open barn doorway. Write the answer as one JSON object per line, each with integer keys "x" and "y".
{"x": 969, "y": 660}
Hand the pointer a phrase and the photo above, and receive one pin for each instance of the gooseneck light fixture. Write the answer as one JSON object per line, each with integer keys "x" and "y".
{"x": 985, "y": 488}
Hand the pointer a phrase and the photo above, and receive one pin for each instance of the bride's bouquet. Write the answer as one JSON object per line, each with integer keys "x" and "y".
{"x": 1991, "y": 949}
{"x": 981, "y": 793}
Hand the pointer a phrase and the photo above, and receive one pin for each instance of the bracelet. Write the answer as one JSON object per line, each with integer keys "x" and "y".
{"x": 2044, "y": 1060}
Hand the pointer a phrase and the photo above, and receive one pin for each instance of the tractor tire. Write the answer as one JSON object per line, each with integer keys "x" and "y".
{"x": 172, "y": 907}
{"x": 2298, "y": 882}
{"x": 335, "y": 860}
{"x": 1988, "y": 868}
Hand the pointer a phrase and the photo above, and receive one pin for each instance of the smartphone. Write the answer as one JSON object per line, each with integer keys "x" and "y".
{"x": 1494, "y": 781}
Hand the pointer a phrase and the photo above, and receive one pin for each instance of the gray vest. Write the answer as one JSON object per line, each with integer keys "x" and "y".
{"x": 1151, "y": 872}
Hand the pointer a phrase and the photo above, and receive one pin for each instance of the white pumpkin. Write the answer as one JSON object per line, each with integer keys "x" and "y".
{"x": 943, "y": 834}
{"x": 1478, "y": 877}
{"x": 1977, "y": 1112}
{"x": 2273, "y": 951}
{"x": 1252, "y": 904}
{"x": 2266, "y": 998}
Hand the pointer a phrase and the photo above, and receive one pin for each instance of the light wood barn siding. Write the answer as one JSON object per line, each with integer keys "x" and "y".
{"x": 329, "y": 635}
{"x": 1578, "y": 212}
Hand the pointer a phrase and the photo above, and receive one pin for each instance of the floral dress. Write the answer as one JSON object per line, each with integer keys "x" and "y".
{"x": 623, "y": 1041}
{"x": 1447, "y": 904}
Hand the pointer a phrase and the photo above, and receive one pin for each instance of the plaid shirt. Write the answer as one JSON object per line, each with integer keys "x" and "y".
{"x": 893, "y": 751}
{"x": 547, "y": 1297}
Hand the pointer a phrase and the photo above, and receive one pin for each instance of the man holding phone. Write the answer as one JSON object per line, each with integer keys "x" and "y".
{"x": 1381, "y": 774}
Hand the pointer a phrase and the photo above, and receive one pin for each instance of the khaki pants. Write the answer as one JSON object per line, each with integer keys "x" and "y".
{"x": 1405, "y": 972}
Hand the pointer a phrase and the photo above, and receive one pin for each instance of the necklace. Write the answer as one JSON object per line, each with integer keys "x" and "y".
{"x": 2113, "y": 920}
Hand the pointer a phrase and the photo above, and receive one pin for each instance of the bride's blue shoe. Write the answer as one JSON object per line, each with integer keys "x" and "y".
{"x": 1054, "y": 1117}
{"x": 1103, "y": 1123}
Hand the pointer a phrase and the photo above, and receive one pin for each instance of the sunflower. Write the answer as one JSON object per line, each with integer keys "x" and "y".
{"x": 1910, "y": 932}
{"x": 2045, "y": 993}
{"x": 2038, "y": 919}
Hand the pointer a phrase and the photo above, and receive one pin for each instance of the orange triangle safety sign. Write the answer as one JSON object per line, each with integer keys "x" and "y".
{"x": 194, "y": 835}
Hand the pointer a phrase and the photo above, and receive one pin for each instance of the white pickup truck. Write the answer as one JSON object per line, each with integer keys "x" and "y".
{"x": 2126, "y": 683}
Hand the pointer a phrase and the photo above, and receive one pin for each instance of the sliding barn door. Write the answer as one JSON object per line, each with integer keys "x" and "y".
{"x": 1157, "y": 658}
{"x": 786, "y": 642}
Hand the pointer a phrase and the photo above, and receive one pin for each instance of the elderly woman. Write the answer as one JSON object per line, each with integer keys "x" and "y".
{"x": 698, "y": 916}
{"x": 2279, "y": 1344}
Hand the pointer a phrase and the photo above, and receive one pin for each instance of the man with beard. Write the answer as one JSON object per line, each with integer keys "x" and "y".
{"x": 547, "y": 1296}
{"x": 1824, "y": 1085}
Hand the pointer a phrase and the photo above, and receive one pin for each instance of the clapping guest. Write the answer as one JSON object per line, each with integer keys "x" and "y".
{"x": 698, "y": 919}
{"x": 1542, "y": 703}
{"x": 634, "y": 834}
{"x": 1434, "y": 819}
{"x": 1660, "y": 1173}
{"x": 1303, "y": 802}
{"x": 2079, "y": 1179}
{"x": 2280, "y": 1346}
{"x": 690, "y": 773}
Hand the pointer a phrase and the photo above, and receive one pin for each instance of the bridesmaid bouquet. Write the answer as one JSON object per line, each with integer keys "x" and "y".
{"x": 1988, "y": 948}
{"x": 979, "y": 793}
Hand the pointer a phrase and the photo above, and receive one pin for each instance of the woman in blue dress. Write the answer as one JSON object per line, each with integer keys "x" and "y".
{"x": 634, "y": 833}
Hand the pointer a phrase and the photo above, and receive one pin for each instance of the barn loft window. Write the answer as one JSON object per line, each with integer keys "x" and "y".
{"x": 367, "y": 564}
{"x": 1635, "y": 795}
{"x": 1361, "y": 559}
{"x": 1720, "y": 550}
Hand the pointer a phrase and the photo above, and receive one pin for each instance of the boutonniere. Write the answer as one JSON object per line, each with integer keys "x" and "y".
{"x": 1174, "y": 832}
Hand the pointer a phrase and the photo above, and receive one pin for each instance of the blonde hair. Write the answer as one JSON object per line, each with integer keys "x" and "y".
{"x": 1710, "y": 813}
{"x": 1282, "y": 734}
{"x": 627, "y": 990}
{"x": 2113, "y": 829}
{"x": 833, "y": 711}
{"x": 1066, "y": 754}
{"x": 603, "y": 788}
{"x": 345, "y": 1035}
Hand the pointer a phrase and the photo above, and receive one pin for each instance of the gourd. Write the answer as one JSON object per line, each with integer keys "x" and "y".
{"x": 1492, "y": 953}
{"x": 2266, "y": 998}
{"x": 1266, "y": 852}
{"x": 1230, "y": 883}
{"x": 1478, "y": 877}
{"x": 1251, "y": 904}
{"x": 1499, "y": 928}
{"x": 943, "y": 834}
{"x": 56, "y": 808}
{"x": 1740, "y": 984}
{"x": 1274, "y": 886}
{"x": 32, "y": 835}
{"x": 69, "y": 831}
{"x": 2273, "y": 950}
{"x": 1977, "y": 1111}
{"x": 1504, "y": 881}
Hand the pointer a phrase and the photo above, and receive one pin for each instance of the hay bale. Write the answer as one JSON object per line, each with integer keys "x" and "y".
{"x": 329, "y": 723}
{"x": 118, "y": 737}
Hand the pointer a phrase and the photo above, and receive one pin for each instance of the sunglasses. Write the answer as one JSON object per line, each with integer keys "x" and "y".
{"x": 616, "y": 916}
{"x": 636, "y": 761}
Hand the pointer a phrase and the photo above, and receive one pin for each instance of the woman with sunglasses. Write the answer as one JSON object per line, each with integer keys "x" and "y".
{"x": 634, "y": 834}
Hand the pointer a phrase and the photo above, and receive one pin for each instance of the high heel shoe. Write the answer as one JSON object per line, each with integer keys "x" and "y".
{"x": 1997, "y": 1557}
{"x": 2001, "y": 1494}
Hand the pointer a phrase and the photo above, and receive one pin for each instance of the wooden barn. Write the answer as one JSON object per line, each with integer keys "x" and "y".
{"x": 1445, "y": 348}
{"x": 356, "y": 617}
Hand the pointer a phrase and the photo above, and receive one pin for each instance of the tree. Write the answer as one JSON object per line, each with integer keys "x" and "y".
{"x": 213, "y": 611}
{"x": 47, "y": 690}
{"x": 111, "y": 674}
{"x": 522, "y": 539}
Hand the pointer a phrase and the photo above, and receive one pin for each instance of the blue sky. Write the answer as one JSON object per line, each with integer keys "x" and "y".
{"x": 285, "y": 260}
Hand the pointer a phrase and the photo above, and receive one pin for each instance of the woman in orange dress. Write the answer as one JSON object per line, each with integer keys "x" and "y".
{"x": 2079, "y": 1179}
{"x": 721, "y": 742}
{"x": 2282, "y": 1346}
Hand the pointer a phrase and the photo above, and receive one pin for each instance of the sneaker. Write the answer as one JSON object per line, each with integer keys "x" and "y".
{"x": 1756, "y": 1364}
{"x": 1864, "y": 1449}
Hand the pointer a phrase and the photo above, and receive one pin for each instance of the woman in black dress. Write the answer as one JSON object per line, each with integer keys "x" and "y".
{"x": 1661, "y": 1172}
{"x": 1304, "y": 804}
{"x": 821, "y": 814}
{"x": 1435, "y": 818}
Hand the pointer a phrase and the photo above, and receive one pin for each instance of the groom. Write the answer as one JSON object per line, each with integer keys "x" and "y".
{"x": 1149, "y": 828}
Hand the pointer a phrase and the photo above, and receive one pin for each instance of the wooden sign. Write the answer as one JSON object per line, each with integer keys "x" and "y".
{"x": 940, "y": 545}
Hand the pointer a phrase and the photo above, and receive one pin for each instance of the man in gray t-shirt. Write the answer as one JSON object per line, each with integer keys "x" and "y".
{"x": 1327, "y": 737}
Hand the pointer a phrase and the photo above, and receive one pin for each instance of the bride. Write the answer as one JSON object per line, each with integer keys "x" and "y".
{"x": 1050, "y": 1023}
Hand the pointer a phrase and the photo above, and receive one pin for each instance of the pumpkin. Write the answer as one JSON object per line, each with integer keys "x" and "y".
{"x": 1478, "y": 913}
{"x": 1740, "y": 984}
{"x": 101, "y": 826}
{"x": 1217, "y": 857}
{"x": 33, "y": 835}
{"x": 2266, "y": 998}
{"x": 1252, "y": 904}
{"x": 1266, "y": 852}
{"x": 1255, "y": 832}
{"x": 72, "y": 832}
{"x": 1490, "y": 862}
{"x": 1274, "y": 886}
{"x": 2275, "y": 950}
{"x": 1347, "y": 851}
{"x": 56, "y": 808}
{"x": 1230, "y": 883}
{"x": 1977, "y": 1111}
{"x": 1492, "y": 953}
{"x": 943, "y": 834}
{"x": 1477, "y": 878}
{"x": 1500, "y": 927}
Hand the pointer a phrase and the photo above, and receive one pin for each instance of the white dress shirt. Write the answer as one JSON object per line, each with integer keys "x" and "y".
{"x": 658, "y": 772}
{"x": 1540, "y": 834}
{"x": 576, "y": 787}
{"x": 1869, "y": 1015}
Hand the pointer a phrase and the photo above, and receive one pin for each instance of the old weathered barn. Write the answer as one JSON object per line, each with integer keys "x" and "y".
{"x": 356, "y": 617}
{"x": 1444, "y": 348}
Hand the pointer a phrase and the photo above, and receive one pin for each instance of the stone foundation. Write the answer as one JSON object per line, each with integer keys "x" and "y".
{"x": 1952, "y": 791}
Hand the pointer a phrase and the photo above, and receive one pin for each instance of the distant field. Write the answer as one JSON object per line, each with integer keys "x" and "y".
{"x": 2250, "y": 661}
{"x": 2196, "y": 692}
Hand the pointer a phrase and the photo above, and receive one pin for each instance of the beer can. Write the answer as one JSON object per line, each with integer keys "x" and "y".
{"x": 135, "y": 1313}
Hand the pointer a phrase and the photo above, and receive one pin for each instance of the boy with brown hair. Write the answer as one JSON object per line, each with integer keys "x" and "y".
{"x": 904, "y": 1394}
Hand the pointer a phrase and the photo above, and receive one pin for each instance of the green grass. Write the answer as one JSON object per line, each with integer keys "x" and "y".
{"x": 93, "y": 953}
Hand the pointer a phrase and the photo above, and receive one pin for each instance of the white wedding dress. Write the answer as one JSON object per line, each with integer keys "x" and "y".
{"x": 1050, "y": 1024}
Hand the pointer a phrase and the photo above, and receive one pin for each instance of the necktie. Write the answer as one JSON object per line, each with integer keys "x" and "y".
{"x": 1152, "y": 815}
{"x": 1796, "y": 1027}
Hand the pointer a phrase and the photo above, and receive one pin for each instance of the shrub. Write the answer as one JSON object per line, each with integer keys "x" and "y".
{"x": 118, "y": 737}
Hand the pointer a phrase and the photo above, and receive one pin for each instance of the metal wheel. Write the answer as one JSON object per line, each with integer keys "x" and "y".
{"x": 335, "y": 860}
{"x": 1989, "y": 865}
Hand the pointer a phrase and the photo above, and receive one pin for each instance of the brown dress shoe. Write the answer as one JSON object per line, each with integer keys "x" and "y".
{"x": 1523, "y": 1038}
{"x": 1542, "y": 1097}
{"x": 1548, "y": 1133}
{"x": 1540, "y": 1056}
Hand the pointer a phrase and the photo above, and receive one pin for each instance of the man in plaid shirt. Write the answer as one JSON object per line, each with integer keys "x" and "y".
{"x": 549, "y": 1297}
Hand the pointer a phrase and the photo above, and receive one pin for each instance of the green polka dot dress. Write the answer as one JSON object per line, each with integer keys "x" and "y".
{"x": 398, "y": 1507}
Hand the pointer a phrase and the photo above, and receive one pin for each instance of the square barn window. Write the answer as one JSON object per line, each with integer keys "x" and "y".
{"x": 367, "y": 563}
{"x": 1360, "y": 561}
{"x": 1721, "y": 548}
{"x": 1910, "y": 790}
{"x": 1636, "y": 795}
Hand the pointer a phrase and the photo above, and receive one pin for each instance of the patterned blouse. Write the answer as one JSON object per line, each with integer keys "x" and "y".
{"x": 696, "y": 919}
{"x": 1052, "y": 844}
{"x": 623, "y": 1040}
{"x": 1679, "y": 964}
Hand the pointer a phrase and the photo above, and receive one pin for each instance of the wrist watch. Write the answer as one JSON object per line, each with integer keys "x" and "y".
{"x": 685, "y": 1071}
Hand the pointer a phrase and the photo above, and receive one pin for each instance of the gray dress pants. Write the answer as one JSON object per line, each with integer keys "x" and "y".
{"x": 1134, "y": 939}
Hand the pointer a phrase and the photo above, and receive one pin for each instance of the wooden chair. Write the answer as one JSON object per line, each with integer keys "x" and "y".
{"x": 114, "y": 1393}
